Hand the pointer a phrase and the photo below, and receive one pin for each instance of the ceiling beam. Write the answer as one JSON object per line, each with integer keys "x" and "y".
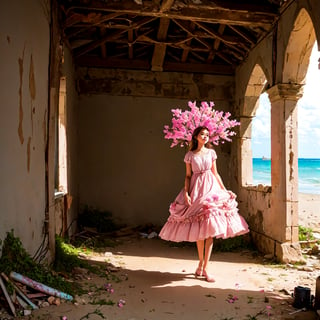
{"x": 95, "y": 62}
{"x": 245, "y": 15}
{"x": 216, "y": 44}
{"x": 159, "y": 52}
{"x": 112, "y": 37}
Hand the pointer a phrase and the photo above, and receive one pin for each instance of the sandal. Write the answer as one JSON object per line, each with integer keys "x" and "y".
{"x": 208, "y": 277}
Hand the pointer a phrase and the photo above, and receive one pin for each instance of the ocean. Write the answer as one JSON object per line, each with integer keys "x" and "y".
{"x": 308, "y": 173}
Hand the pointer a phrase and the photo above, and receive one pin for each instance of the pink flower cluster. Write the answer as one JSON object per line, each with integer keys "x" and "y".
{"x": 184, "y": 123}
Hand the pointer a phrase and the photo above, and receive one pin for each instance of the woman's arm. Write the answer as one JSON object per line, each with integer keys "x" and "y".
{"x": 216, "y": 174}
{"x": 187, "y": 183}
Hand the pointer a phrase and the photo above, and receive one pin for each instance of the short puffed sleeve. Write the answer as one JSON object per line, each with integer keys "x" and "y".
{"x": 187, "y": 157}
{"x": 213, "y": 155}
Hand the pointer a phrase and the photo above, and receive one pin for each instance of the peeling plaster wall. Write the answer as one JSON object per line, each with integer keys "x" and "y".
{"x": 24, "y": 47}
{"x": 126, "y": 166}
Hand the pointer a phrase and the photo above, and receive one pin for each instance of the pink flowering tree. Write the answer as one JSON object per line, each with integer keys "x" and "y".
{"x": 218, "y": 123}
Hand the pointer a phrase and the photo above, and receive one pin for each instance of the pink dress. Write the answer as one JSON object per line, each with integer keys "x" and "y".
{"x": 213, "y": 211}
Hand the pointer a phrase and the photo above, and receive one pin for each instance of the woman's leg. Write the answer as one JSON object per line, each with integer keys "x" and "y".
{"x": 207, "y": 252}
{"x": 207, "y": 255}
{"x": 200, "y": 247}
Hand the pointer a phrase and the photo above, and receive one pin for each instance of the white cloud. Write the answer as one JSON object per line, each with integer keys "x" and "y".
{"x": 261, "y": 123}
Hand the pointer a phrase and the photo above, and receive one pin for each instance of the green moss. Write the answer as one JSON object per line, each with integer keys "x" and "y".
{"x": 67, "y": 258}
{"x": 305, "y": 234}
{"x": 15, "y": 258}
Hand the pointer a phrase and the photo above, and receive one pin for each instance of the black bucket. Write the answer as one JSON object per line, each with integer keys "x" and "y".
{"x": 302, "y": 297}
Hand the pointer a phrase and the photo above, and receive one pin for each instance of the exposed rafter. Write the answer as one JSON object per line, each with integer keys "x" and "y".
{"x": 166, "y": 35}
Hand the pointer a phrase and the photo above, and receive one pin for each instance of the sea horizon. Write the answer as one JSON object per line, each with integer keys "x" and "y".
{"x": 308, "y": 173}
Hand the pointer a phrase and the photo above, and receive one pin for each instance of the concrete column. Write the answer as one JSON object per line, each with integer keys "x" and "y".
{"x": 246, "y": 152}
{"x": 284, "y": 170}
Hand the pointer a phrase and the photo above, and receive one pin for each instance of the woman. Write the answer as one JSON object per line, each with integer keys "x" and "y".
{"x": 204, "y": 209}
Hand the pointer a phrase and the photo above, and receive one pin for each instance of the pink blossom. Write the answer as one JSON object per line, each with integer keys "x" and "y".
{"x": 121, "y": 303}
{"x": 183, "y": 124}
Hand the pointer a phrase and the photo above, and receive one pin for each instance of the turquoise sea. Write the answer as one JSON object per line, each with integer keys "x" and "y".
{"x": 308, "y": 172}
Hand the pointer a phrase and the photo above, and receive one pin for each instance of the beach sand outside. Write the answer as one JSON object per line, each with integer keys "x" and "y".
{"x": 309, "y": 211}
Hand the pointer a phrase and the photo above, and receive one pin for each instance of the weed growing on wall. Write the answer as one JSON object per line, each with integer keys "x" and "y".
{"x": 15, "y": 258}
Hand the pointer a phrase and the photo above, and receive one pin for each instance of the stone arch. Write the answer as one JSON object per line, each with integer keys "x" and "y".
{"x": 284, "y": 137}
{"x": 255, "y": 87}
{"x": 298, "y": 51}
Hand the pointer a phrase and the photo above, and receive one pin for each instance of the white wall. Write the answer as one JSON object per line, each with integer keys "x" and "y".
{"x": 126, "y": 166}
{"x": 24, "y": 47}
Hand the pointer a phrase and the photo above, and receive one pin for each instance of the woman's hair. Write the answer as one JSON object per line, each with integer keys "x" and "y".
{"x": 194, "y": 141}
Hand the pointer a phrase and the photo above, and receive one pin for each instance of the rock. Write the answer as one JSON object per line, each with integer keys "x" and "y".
{"x": 45, "y": 304}
{"x": 51, "y": 299}
{"x": 26, "y": 312}
{"x": 315, "y": 250}
{"x": 307, "y": 268}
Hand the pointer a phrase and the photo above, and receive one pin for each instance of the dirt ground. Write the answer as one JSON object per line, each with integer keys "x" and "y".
{"x": 157, "y": 282}
{"x": 151, "y": 279}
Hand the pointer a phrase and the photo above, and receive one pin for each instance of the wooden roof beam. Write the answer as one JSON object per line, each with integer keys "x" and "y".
{"x": 159, "y": 52}
{"x": 112, "y": 37}
{"x": 211, "y": 12}
{"x": 186, "y": 51}
{"x": 216, "y": 44}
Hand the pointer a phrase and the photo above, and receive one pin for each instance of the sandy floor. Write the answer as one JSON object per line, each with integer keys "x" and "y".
{"x": 157, "y": 282}
{"x": 309, "y": 211}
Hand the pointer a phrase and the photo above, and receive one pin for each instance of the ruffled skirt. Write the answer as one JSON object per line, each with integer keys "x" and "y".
{"x": 209, "y": 216}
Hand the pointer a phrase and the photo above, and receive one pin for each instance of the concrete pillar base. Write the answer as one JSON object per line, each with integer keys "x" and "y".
{"x": 289, "y": 253}
{"x": 284, "y": 252}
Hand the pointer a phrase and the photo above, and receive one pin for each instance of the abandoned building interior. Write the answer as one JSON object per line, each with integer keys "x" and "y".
{"x": 88, "y": 85}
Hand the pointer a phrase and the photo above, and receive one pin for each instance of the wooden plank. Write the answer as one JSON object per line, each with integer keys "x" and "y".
{"x": 158, "y": 57}
{"x": 5, "y": 292}
{"x": 130, "y": 44}
{"x": 186, "y": 51}
{"x": 166, "y": 5}
{"x": 243, "y": 35}
{"x": 216, "y": 44}
{"x": 19, "y": 291}
{"x": 159, "y": 52}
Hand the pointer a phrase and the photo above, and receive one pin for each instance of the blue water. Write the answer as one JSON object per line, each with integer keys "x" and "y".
{"x": 308, "y": 173}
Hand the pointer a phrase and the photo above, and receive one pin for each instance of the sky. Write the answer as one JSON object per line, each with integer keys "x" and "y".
{"x": 308, "y": 117}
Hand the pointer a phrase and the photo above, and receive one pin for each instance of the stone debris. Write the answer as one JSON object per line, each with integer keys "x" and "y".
{"x": 24, "y": 298}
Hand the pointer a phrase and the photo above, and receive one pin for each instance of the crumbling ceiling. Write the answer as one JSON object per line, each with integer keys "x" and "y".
{"x": 198, "y": 36}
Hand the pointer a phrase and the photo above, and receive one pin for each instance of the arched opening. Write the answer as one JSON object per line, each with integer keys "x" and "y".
{"x": 261, "y": 142}
{"x": 254, "y": 89}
